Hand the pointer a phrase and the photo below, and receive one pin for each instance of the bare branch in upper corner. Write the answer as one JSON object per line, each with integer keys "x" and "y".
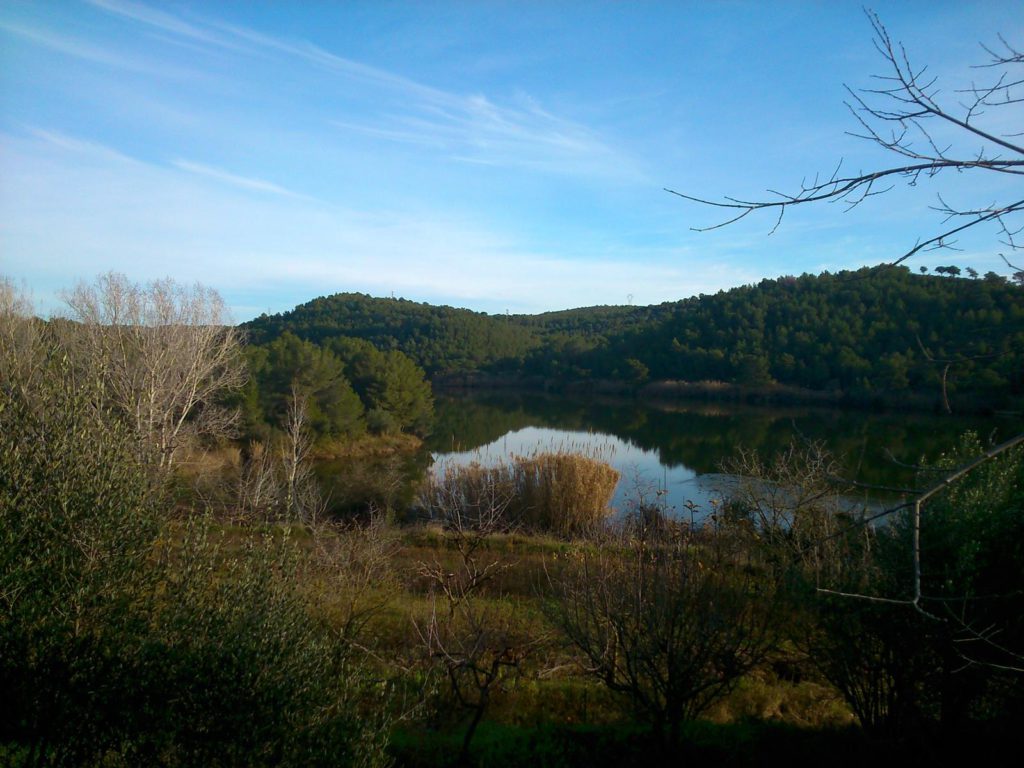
{"x": 905, "y": 115}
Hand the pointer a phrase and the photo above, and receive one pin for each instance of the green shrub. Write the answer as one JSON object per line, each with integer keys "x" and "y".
{"x": 125, "y": 640}
{"x": 76, "y": 528}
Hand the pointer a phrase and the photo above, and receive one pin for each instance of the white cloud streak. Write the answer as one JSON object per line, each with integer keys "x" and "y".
{"x": 243, "y": 182}
{"x": 73, "y": 208}
{"x": 471, "y": 127}
{"x": 161, "y": 20}
{"x": 69, "y": 46}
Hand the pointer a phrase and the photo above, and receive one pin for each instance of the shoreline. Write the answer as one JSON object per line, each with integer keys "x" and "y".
{"x": 668, "y": 391}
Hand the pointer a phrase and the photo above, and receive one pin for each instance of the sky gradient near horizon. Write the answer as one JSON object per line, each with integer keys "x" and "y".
{"x": 497, "y": 156}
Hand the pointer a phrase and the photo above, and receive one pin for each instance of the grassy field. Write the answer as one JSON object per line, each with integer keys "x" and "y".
{"x": 475, "y": 639}
{"x": 545, "y": 708}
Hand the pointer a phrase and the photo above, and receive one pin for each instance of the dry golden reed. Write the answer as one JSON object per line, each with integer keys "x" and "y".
{"x": 565, "y": 493}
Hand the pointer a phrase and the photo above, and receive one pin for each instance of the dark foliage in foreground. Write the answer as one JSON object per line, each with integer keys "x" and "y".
{"x": 126, "y": 639}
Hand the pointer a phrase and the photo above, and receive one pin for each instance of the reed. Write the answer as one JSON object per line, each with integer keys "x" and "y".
{"x": 564, "y": 493}
{"x": 560, "y": 492}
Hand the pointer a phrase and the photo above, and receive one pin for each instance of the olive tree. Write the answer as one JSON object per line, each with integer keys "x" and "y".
{"x": 129, "y": 639}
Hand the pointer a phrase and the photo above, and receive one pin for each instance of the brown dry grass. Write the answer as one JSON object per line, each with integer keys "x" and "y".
{"x": 563, "y": 493}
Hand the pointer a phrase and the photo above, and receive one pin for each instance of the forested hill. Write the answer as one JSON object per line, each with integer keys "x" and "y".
{"x": 444, "y": 339}
{"x": 874, "y": 331}
{"x": 881, "y": 330}
{"x": 438, "y": 339}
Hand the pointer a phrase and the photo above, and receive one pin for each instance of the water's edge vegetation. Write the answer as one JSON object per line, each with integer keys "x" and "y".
{"x": 177, "y": 588}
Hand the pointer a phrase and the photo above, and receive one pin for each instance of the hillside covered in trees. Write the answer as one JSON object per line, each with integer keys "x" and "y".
{"x": 439, "y": 339}
{"x": 873, "y": 332}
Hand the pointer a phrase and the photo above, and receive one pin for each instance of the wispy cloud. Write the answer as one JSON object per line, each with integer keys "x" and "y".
{"x": 476, "y": 129}
{"x": 354, "y": 70}
{"x": 472, "y": 127}
{"x": 73, "y": 208}
{"x": 82, "y": 147}
{"x": 243, "y": 182}
{"x": 72, "y": 46}
{"x": 162, "y": 20}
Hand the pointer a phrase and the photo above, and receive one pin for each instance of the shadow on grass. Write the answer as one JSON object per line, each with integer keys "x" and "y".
{"x": 703, "y": 744}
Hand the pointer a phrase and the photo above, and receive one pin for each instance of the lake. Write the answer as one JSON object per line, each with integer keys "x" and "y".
{"x": 674, "y": 452}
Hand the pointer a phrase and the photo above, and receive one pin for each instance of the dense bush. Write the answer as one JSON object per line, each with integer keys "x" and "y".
{"x": 128, "y": 640}
{"x": 915, "y": 643}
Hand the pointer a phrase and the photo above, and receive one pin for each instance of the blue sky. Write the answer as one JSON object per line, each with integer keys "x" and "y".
{"x": 497, "y": 156}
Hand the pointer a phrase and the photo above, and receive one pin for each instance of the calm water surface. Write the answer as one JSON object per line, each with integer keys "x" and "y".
{"x": 674, "y": 453}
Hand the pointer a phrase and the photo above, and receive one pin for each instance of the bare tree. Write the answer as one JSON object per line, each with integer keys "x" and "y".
{"x": 670, "y": 621}
{"x": 467, "y": 634}
{"x": 165, "y": 354}
{"x": 269, "y": 483}
{"x": 930, "y": 132}
{"x": 302, "y": 497}
{"x": 22, "y": 348}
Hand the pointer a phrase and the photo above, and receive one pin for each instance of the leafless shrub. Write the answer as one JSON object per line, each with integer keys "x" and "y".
{"x": 669, "y": 621}
{"x": 467, "y": 636}
{"x": 353, "y": 567}
{"x": 792, "y": 503}
{"x": 258, "y": 492}
{"x": 22, "y": 350}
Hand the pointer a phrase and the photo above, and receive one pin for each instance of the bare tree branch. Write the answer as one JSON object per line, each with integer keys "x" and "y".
{"x": 165, "y": 353}
{"x": 901, "y": 116}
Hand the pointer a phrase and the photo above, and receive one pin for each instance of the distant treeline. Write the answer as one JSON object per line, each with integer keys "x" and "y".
{"x": 882, "y": 331}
